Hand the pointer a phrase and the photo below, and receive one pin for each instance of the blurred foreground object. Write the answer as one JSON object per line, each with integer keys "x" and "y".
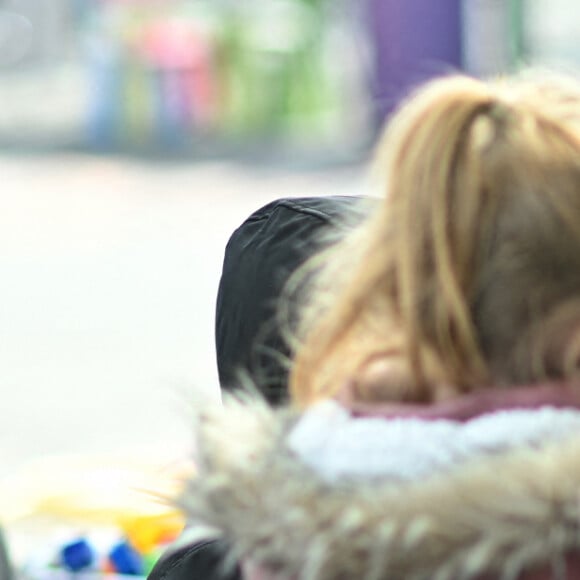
{"x": 91, "y": 514}
{"x": 6, "y": 572}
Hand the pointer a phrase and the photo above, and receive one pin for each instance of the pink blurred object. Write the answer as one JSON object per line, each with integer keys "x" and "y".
{"x": 182, "y": 54}
{"x": 174, "y": 43}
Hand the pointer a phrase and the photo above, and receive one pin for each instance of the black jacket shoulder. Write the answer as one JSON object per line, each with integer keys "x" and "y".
{"x": 259, "y": 258}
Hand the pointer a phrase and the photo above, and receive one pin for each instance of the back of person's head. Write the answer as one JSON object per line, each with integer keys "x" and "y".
{"x": 468, "y": 274}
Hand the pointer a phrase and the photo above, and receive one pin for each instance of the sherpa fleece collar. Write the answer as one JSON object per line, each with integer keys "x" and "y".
{"x": 492, "y": 511}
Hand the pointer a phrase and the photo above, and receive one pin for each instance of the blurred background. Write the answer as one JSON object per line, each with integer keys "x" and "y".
{"x": 200, "y": 78}
{"x": 135, "y": 135}
{"x": 248, "y": 78}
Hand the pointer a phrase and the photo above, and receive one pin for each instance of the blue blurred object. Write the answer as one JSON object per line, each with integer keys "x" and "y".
{"x": 77, "y": 555}
{"x": 105, "y": 106}
{"x": 127, "y": 560}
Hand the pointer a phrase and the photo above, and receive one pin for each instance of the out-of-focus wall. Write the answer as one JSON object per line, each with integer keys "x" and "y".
{"x": 34, "y": 31}
{"x": 553, "y": 33}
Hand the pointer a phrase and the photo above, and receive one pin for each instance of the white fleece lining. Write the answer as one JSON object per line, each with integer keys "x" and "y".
{"x": 336, "y": 445}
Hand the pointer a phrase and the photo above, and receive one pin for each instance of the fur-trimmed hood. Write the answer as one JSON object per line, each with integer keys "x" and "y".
{"x": 332, "y": 494}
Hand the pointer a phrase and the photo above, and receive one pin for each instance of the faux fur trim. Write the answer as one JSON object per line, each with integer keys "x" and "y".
{"x": 495, "y": 516}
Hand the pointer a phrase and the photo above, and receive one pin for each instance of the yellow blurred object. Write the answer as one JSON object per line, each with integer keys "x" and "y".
{"x": 102, "y": 490}
{"x": 147, "y": 532}
{"x": 48, "y": 502}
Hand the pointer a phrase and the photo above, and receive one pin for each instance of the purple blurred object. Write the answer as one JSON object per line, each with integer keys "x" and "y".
{"x": 412, "y": 40}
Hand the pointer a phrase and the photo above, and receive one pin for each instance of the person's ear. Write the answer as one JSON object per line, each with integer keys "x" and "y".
{"x": 383, "y": 378}
{"x": 386, "y": 378}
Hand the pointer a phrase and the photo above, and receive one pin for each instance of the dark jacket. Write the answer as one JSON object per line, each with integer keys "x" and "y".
{"x": 259, "y": 258}
{"x": 200, "y": 561}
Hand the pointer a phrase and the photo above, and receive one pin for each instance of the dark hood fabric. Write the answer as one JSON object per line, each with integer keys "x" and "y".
{"x": 259, "y": 258}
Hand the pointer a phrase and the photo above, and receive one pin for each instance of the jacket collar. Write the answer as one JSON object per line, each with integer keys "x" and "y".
{"x": 464, "y": 408}
{"x": 499, "y": 516}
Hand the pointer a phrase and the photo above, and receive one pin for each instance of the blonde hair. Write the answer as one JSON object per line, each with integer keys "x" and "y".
{"x": 468, "y": 273}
